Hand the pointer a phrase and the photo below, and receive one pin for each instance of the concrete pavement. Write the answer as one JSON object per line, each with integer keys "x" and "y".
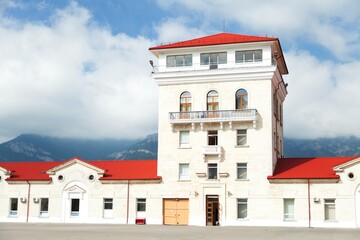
{"x": 40, "y": 231}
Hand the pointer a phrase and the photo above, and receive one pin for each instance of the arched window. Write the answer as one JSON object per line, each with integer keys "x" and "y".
{"x": 185, "y": 102}
{"x": 241, "y": 99}
{"x": 213, "y": 101}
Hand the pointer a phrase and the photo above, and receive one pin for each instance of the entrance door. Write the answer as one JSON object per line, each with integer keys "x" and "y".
{"x": 176, "y": 211}
{"x": 75, "y": 207}
{"x": 212, "y": 210}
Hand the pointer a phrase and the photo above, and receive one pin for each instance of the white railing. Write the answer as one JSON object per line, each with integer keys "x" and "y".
{"x": 213, "y": 116}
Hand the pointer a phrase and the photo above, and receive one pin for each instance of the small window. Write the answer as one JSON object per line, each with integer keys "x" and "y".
{"x": 179, "y": 60}
{"x": 289, "y": 209}
{"x": 241, "y": 208}
{"x": 108, "y": 207}
{"x": 213, "y": 101}
{"x": 213, "y": 58}
{"x": 184, "y": 141}
{"x": 329, "y": 209}
{"x": 248, "y": 56}
{"x": 212, "y": 171}
{"x": 44, "y": 207}
{"x": 241, "y": 136}
{"x": 212, "y": 138}
{"x": 13, "y": 206}
{"x": 91, "y": 177}
{"x": 141, "y": 204}
{"x": 241, "y": 171}
{"x": 61, "y": 178}
{"x": 241, "y": 99}
{"x": 185, "y": 102}
{"x": 184, "y": 171}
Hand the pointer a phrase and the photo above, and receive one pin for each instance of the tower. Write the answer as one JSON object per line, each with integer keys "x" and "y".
{"x": 220, "y": 121}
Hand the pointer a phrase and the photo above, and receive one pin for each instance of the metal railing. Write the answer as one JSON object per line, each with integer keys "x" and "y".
{"x": 213, "y": 116}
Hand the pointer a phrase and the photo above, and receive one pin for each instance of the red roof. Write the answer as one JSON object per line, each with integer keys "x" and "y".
{"x": 114, "y": 169}
{"x": 308, "y": 168}
{"x": 217, "y": 39}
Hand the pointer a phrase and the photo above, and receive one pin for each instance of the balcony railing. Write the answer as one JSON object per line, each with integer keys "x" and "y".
{"x": 211, "y": 150}
{"x": 213, "y": 116}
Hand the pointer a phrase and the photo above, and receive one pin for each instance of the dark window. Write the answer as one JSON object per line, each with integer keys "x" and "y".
{"x": 108, "y": 203}
{"x": 13, "y": 206}
{"x": 213, "y": 58}
{"x": 242, "y": 171}
{"x": 212, "y": 137}
{"x": 179, "y": 60}
{"x": 242, "y": 207}
{"x": 212, "y": 170}
{"x": 241, "y": 137}
{"x": 141, "y": 204}
{"x": 248, "y": 56}
{"x": 75, "y": 207}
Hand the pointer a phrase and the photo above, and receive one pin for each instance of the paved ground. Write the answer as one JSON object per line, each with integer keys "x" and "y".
{"x": 32, "y": 231}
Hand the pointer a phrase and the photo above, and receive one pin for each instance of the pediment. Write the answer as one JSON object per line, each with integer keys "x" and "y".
{"x": 349, "y": 164}
{"x": 72, "y": 162}
{"x": 75, "y": 189}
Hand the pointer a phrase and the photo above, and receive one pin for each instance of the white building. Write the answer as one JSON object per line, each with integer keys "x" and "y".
{"x": 219, "y": 159}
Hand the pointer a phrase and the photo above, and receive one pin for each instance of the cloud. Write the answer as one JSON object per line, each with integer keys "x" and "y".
{"x": 74, "y": 78}
{"x": 323, "y": 99}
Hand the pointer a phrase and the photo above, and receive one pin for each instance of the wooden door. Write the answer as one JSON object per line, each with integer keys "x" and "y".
{"x": 176, "y": 211}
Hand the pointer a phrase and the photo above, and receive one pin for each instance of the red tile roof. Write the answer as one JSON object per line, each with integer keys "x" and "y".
{"x": 114, "y": 170}
{"x": 308, "y": 168}
{"x": 217, "y": 39}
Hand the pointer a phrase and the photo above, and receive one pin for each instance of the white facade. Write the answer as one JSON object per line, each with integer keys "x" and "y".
{"x": 214, "y": 165}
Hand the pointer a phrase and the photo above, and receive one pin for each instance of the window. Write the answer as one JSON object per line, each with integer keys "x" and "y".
{"x": 179, "y": 60}
{"x": 141, "y": 204}
{"x": 241, "y": 208}
{"x": 330, "y": 209}
{"x": 213, "y": 101}
{"x": 241, "y": 99}
{"x": 13, "y": 206}
{"x": 75, "y": 207}
{"x": 241, "y": 137}
{"x": 213, "y": 138}
{"x": 213, "y": 58}
{"x": 212, "y": 171}
{"x": 248, "y": 56}
{"x": 184, "y": 171}
{"x": 185, "y": 102}
{"x": 108, "y": 207}
{"x": 44, "y": 207}
{"x": 241, "y": 170}
{"x": 289, "y": 209}
{"x": 184, "y": 139}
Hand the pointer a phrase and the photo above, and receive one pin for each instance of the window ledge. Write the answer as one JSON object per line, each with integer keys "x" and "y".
{"x": 290, "y": 220}
{"x": 242, "y": 146}
{"x": 242, "y": 180}
{"x": 213, "y": 180}
{"x": 331, "y": 221}
{"x": 184, "y": 147}
{"x": 187, "y": 180}
{"x": 242, "y": 219}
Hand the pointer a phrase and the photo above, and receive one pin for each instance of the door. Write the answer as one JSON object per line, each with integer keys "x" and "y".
{"x": 176, "y": 211}
{"x": 212, "y": 210}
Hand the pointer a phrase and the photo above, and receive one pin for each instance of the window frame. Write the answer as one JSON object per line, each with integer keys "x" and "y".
{"x": 206, "y": 58}
{"x": 245, "y": 53}
{"x": 185, "y": 101}
{"x": 184, "y": 141}
{"x": 184, "y": 176}
{"x": 241, "y": 99}
{"x": 212, "y": 100}
{"x": 289, "y": 213}
{"x": 241, "y": 136}
{"x": 173, "y": 60}
{"x": 73, "y": 212}
{"x": 242, "y": 205}
{"x": 141, "y": 205}
{"x": 243, "y": 167}
{"x": 44, "y": 207}
{"x": 213, "y": 138}
{"x": 329, "y": 205}
{"x": 210, "y": 168}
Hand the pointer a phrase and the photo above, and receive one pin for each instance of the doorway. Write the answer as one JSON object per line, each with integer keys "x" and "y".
{"x": 212, "y": 210}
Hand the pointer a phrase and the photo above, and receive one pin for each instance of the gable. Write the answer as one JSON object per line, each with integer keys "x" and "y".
{"x": 72, "y": 162}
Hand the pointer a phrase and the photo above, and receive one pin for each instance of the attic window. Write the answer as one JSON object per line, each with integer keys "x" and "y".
{"x": 351, "y": 176}
{"x": 248, "y": 56}
{"x": 91, "y": 177}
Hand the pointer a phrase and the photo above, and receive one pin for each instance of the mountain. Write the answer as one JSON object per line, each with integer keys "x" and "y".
{"x": 327, "y": 147}
{"x": 31, "y": 147}
{"x": 145, "y": 149}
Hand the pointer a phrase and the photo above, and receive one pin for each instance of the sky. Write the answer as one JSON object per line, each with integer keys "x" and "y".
{"x": 81, "y": 68}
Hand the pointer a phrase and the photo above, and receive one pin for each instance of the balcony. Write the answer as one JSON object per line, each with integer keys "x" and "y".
{"x": 213, "y": 116}
{"x": 211, "y": 150}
